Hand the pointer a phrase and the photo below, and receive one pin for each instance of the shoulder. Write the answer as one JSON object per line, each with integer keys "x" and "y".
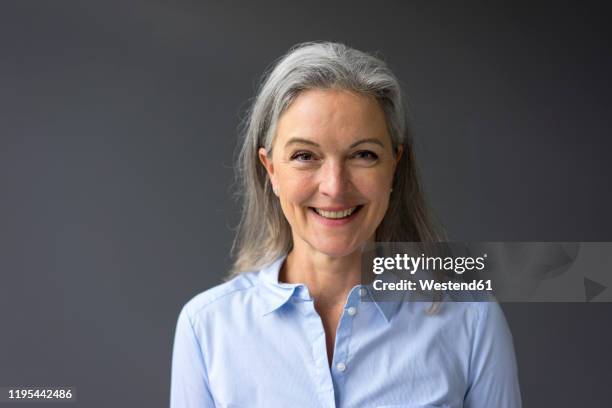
{"x": 482, "y": 312}
{"x": 237, "y": 289}
{"x": 481, "y": 317}
{"x": 467, "y": 322}
{"x": 489, "y": 316}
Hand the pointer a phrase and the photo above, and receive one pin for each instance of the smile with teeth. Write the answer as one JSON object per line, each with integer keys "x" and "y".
{"x": 335, "y": 214}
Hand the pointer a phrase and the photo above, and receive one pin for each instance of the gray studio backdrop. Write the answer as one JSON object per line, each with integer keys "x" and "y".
{"x": 117, "y": 131}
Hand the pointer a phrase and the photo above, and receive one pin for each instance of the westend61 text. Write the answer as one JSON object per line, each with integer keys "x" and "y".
{"x": 431, "y": 284}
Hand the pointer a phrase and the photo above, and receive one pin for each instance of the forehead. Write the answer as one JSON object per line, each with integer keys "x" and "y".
{"x": 332, "y": 116}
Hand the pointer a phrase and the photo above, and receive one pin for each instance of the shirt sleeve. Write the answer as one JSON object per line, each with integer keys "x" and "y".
{"x": 493, "y": 374}
{"x": 189, "y": 384}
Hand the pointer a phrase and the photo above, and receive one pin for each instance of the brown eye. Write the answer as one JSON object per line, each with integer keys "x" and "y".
{"x": 366, "y": 155}
{"x": 302, "y": 156}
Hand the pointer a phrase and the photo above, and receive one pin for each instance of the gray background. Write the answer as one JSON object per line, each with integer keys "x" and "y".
{"x": 117, "y": 131}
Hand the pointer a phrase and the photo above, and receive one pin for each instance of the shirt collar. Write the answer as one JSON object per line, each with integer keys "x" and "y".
{"x": 275, "y": 294}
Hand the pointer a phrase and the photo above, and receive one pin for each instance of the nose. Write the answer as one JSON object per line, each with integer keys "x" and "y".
{"x": 335, "y": 180}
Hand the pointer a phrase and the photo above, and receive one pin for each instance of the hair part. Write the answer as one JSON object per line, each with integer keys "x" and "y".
{"x": 263, "y": 233}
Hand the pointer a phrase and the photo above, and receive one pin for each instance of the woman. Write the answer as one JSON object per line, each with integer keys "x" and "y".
{"x": 326, "y": 167}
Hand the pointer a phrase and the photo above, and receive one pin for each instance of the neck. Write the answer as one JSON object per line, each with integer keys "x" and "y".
{"x": 329, "y": 279}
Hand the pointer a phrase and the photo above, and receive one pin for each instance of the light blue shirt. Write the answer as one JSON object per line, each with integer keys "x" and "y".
{"x": 254, "y": 342}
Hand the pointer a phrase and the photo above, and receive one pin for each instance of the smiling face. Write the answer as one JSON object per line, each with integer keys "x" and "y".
{"x": 332, "y": 164}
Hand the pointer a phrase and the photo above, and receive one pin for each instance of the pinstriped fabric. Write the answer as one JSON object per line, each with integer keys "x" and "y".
{"x": 255, "y": 342}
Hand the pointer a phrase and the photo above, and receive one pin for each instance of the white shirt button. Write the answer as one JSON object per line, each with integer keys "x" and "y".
{"x": 351, "y": 311}
{"x": 363, "y": 291}
{"x": 340, "y": 367}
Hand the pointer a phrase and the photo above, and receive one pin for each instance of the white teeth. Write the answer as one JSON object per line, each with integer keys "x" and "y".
{"x": 335, "y": 214}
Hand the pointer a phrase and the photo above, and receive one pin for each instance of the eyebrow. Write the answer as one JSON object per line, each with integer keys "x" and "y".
{"x": 294, "y": 140}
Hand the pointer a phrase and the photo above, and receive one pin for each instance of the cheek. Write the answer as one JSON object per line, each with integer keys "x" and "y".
{"x": 297, "y": 189}
{"x": 378, "y": 191}
{"x": 375, "y": 187}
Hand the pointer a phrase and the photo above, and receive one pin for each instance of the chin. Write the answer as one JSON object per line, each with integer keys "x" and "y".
{"x": 337, "y": 249}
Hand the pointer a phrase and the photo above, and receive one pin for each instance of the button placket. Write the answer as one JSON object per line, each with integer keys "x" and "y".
{"x": 316, "y": 337}
{"x": 341, "y": 364}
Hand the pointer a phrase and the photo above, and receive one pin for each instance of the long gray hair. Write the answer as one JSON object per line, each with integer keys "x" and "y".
{"x": 263, "y": 233}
